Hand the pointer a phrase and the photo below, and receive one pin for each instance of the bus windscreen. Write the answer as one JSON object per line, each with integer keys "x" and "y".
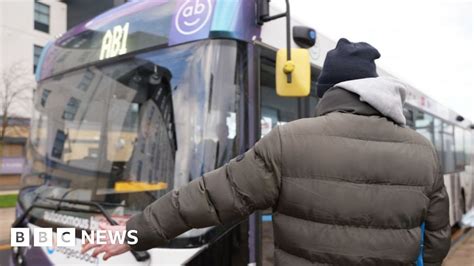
{"x": 126, "y": 133}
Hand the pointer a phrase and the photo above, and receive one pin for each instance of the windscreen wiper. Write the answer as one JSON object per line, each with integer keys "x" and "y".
{"x": 86, "y": 203}
{"x": 139, "y": 255}
{"x": 18, "y": 221}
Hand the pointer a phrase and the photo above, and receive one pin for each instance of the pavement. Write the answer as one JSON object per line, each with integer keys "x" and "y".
{"x": 462, "y": 253}
{"x": 7, "y": 216}
{"x": 8, "y": 192}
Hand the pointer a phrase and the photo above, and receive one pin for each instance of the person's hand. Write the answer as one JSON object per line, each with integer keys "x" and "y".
{"x": 109, "y": 249}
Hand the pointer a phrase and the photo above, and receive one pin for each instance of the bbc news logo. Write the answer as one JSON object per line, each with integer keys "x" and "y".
{"x": 66, "y": 237}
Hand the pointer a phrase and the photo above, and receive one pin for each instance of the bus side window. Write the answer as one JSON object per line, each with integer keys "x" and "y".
{"x": 438, "y": 139}
{"x": 448, "y": 148}
{"x": 431, "y": 128}
{"x": 408, "y": 113}
{"x": 468, "y": 141}
{"x": 459, "y": 148}
{"x": 424, "y": 125}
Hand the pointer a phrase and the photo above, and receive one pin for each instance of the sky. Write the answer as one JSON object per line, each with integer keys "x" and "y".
{"x": 427, "y": 43}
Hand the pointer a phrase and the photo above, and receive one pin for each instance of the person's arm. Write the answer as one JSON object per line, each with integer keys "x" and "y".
{"x": 438, "y": 230}
{"x": 247, "y": 183}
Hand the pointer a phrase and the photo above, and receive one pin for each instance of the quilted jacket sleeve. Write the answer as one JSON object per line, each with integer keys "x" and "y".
{"x": 247, "y": 183}
{"x": 438, "y": 229}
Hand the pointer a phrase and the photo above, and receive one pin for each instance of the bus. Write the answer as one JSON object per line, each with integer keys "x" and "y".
{"x": 151, "y": 95}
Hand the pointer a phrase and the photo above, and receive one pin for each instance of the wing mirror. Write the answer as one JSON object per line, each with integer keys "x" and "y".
{"x": 293, "y": 77}
{"x": 293, "y": 69}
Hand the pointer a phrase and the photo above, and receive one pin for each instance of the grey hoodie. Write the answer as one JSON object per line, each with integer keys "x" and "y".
{"x": 386, "y": 95}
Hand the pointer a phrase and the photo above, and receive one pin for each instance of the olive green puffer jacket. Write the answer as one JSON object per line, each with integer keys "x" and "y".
{"x": 349, "y": 187}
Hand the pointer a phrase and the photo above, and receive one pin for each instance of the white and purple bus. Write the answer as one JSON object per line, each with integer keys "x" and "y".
{"x": 151, "y": 95}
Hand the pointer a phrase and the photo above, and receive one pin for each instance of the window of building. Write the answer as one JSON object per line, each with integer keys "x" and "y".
{"x": 58, "y": 146}
{"x": 44, "y": 97}
{"x": 71, "y": 109}
{"x": 36, "y": 56}
{"x": 41, "y": 17}
{"x": 448, "y": 148}
{"x": 459, "y": 148}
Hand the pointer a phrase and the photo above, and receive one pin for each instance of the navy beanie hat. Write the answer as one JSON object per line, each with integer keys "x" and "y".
{"x": 347, "y": 61}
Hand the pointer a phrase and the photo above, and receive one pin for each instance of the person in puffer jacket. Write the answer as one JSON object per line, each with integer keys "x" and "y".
{"x": 351, "y": 186}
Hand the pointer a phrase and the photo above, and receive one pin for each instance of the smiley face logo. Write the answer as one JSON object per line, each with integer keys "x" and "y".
{"x": 192, "y": 16}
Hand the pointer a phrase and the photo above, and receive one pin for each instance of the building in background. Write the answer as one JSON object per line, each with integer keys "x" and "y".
{"x": 26, "y": 26}
{"x": 12, "y": 148}
{"x": 79, "y": 11}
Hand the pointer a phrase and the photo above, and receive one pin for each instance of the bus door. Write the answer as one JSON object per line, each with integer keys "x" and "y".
{"x": 275, "y": 111}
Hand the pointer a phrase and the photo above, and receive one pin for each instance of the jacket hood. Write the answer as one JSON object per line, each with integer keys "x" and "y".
{"x": 386, "y": 95}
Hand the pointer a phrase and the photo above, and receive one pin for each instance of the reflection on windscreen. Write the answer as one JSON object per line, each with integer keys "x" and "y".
{"x": 146, "y": 124}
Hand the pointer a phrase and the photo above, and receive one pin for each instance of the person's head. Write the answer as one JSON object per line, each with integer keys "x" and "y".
{"x": 347, "y": 61}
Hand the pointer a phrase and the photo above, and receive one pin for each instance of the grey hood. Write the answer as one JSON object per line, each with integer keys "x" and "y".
{"x": 386, "y": 95}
